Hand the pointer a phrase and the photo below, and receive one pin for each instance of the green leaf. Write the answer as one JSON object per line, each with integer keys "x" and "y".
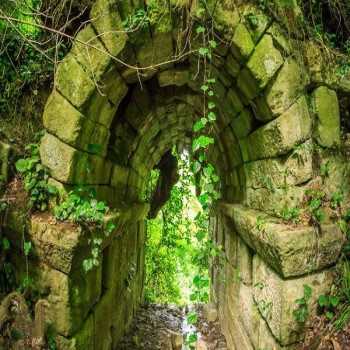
{"x": 323, "y": 301}
{"x": 27, "y": 246}
{"x": 200, "y": 29}
{"x": 211, "y": 105}
{"x": 22, "y": 165}
{"x": 329, "y": 315}
{"x": 213, "y": 44}
{"x": 5, "y": 244}
{"x": 307, "y": 292}
{"x": 192, "y": 318}
{"x": 211, "y": 116}
{"x": 202, "y": 142}
{"x": 203, "y": 51}
{"x": 334, "y": 301}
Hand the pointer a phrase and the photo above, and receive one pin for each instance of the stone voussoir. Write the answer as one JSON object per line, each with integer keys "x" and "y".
{"x": 79, "y": 131}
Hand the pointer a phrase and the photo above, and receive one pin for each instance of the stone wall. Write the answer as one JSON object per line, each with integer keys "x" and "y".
{"x": 108, "y": 124}
{"x": 89, "y": 310}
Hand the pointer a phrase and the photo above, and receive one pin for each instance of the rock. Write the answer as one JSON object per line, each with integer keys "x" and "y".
{"x": 176, "y": 340}
{"x": 289, "y": 250}
{"x": 276, "y": 299}
{"x": 280, "y": 135}
{"x": 328, "y": 118}
{"x": 264, "y": 62}
{"x": 242, "y": 43}
{"x": 210, "y": 312}
{"x": 201, "y": 345}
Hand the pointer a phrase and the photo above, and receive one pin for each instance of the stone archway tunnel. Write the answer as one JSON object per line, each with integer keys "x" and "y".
{"x": 108, "y": 124}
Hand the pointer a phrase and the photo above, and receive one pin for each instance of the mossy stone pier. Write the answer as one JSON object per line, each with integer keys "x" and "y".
{"x": 276, "y": 127}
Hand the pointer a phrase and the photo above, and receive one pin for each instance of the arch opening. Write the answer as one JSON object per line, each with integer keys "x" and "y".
{"x": 276, "y": 130}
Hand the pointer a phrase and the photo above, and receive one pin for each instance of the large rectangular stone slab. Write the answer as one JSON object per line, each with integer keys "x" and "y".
{"x": 279, "y": 136}
{"x": 276, "y": 299}
{"x": 70, "y": 166}
{"x": 326, "y": 107}
{"x": 71, "y": 297}
{"x": 282, "y": 92}
{"x": 291, "y": 250}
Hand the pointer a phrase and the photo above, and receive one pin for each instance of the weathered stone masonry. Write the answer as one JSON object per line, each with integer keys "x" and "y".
{"x": 271, "y": 137}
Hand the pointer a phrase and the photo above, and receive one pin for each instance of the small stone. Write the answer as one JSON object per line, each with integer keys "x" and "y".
{"x": 210, "y": 312}
{"x": 201, "y": 345}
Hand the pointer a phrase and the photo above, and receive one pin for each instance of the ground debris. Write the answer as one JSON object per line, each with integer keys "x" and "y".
{"x": 161, "y": 327}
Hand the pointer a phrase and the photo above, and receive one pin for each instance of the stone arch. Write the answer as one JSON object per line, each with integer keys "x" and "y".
{"x": 119, "y": 121}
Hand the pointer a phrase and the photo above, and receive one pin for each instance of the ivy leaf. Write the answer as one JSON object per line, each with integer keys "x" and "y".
{"x": 200, "y": 30}
{"x": 196, "y": 167}
{"x": 323, "y": 301}
{"x": 211, "y": 105}
{"x": 213, "y": 44}
{"x": 204, "y": 51}
{"x": 334, "y": 301}
{"x": 192, "y": 318}
{"x": 211, "y": 116}
{"x": 27, "y": 246}
{"x": 22, "y": 165}
{"x": 202, "y": 142}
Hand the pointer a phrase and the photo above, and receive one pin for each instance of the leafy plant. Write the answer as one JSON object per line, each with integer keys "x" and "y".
{"x": 315, "y": 202}
{"x": 35, "y": 177}
{"x": 301, "y": 313}
{"x": 291, "y": 214}
{"x": 328, "y": 304}
{"x": 82, "y": 207}
{"x": 336, "y": 199}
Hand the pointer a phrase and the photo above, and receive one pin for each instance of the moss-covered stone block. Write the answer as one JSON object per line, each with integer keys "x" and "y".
{"x": 243, "y": 125}
{"x": 5, "y": 150}
{"x": 103, "y": 316}
{"x": 326, "y": 107}
{"x": 256, "y": 21}
{"x": 177, "y": 77}
{"x": 283, "y": 91}
{"x": 274, "y": 201}
{"x": 242, "y": 43}
{"x": 57, "y": 244}
{"x": 234, "y": 102}
{"x": 289, "y": 250}
{"x": 106, "y": 20}
{"x": 71, "y": 166}
{"x": 276, "y": 299}
{"x": 90, "y": 52}
{"x": 265, "y": 61}
{"x": 280, "y": 135}
{"x": 294, "y": 169}
{"x": 232, "y": 67}
{"x": 78, "y": 131}
{"x": 247, "y": 84}
{"x": 114, "y": 86}
{"x": 71, "y": 297}
{"x": 73, "y": 82}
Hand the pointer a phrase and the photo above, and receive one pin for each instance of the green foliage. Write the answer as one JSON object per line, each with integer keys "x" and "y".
{"x": 328, "y": 304}
{"x": 35, "y": 177}
{"x": 301, "y": 313}
{"x": 315, "y": 202}
{"x": 291, "y": 214}
{"x": 82, "y": 207}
